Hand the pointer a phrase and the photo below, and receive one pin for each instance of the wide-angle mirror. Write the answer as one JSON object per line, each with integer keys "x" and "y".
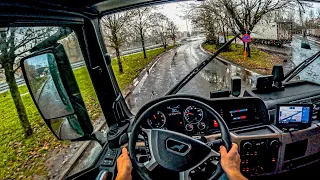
{"x": 47, "y": 89}
{"x": 46, "y": 86}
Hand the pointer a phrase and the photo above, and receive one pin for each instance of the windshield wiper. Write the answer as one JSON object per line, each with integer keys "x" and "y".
{"x": 291, "y": 74}
{"x": 195, "y": 71}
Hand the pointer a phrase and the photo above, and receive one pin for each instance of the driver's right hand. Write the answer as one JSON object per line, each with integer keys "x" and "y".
{"x": 230, "y": 162}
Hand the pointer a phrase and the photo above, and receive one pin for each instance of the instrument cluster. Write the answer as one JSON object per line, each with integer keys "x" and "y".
{"x": 187, "y": 119}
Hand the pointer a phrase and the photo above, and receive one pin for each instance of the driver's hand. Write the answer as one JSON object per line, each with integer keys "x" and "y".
{"x": 230, "y": 162}
{"x": 124, "y": 166}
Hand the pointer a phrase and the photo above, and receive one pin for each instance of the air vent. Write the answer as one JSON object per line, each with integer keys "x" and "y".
{"x": 312, "y": 100}
{"x": 302, "y": 101}
{"x": 316, "y": 100}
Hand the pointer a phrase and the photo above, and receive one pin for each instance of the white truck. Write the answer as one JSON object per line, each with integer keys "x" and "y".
{"x": 274, "y": 33}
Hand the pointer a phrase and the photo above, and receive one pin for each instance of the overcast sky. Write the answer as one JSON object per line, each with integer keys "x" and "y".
{"x": 171, "y": 10}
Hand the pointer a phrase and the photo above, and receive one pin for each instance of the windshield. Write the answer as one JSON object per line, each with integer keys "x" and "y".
{"x": 311, "y": 72}
{"x": 155, "y": 47}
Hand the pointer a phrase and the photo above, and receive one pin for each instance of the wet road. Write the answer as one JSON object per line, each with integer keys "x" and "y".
{"x": 50, "y": 102}
{"x": 171, "y": 68}
{"x": 312, "y": 72}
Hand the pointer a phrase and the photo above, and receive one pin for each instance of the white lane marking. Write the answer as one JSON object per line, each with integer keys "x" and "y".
{"x": 25, "y": 94}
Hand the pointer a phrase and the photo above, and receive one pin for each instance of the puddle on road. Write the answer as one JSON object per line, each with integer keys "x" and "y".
{"x": 217, "y": 76}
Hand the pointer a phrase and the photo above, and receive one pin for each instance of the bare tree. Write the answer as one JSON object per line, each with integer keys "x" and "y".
{"x": 202, "y": 18}
{"x": 242, "y": 16}
{"x": 246, "y": 14}
{"x": 311, "y": 19}
{"x": 318, "y": 13}
{"x": 115, "y": 32}
{"x": 173, "y": 30}
{"x": 141, "y": 22}
{"x": 15, "y": 43}
{"x": 160, "y": 28}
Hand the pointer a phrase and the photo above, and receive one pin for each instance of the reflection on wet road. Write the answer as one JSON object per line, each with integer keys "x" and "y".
{"x": 50, "y": 102}
{"x": 171, "y": 68}
{"x": 217, "y": 76}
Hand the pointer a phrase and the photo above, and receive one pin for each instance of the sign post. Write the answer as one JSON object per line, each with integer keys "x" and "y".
{"x": 245, "y": 38}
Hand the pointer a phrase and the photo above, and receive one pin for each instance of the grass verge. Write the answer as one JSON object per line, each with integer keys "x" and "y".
{"x": 260, "y": 61}
{"x": 23, "y": 158}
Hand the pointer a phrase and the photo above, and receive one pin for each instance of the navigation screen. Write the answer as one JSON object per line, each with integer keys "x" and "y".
{"x": 294, "y": 114}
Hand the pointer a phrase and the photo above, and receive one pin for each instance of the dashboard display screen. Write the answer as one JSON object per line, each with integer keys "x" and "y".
{"x": 239, "y": 114}
{"x": 294, "y": 115}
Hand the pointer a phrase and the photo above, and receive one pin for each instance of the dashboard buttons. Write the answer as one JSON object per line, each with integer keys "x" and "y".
{"x": 215, "y": 124}
{"x": 201, "y": 126}
{"x": 189, "y": 127}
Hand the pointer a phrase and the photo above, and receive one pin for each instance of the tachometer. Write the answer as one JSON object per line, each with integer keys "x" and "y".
{"x": 157, "y": 120}
{"x": 193, "y": 114}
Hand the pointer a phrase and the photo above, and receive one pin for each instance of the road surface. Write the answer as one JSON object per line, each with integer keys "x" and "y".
{"x": 50, "y": 102}
{"x": 171, "y": 68}
{"x": 312, "y": 72}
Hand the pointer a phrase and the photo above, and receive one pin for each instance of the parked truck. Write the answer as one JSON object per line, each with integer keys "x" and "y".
{"x": 274, "y": 33}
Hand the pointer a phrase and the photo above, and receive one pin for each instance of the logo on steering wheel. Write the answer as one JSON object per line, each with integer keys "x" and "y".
{"x": 177, "y": 147}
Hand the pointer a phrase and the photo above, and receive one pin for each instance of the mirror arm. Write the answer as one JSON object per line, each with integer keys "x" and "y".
{"x": 100, "y": 137}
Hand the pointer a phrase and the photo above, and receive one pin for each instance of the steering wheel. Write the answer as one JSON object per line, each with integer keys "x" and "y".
{"x": 175, "y": 151}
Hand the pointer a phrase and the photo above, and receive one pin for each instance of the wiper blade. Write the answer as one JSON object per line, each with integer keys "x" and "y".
{"x": 291, "y": 74}
{"x": 195, "y": 71}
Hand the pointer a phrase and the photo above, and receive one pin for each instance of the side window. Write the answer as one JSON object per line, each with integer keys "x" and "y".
{"x": 28, "y": 150}
{"x": 75, "y": 56}
{"x": 72, "y": 48}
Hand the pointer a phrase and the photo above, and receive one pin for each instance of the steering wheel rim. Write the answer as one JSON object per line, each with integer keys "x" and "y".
{"x": 136, "y": 130}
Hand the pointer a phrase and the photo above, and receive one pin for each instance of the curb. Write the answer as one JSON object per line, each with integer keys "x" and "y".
{"x": 226, "y": 61}
{"x": 41, "y": 89}
{"x": 129, "y": 88}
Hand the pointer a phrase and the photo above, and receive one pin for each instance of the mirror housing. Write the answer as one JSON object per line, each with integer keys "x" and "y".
{"x": 50, "y": 80}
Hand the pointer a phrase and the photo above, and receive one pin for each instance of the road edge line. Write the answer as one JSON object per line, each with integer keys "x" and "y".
{"x": 129, "y": 88}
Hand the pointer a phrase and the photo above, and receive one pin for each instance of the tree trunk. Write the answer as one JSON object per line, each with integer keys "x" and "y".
{"x": 15, "y": 94}
{"x": 142, "y": 43}
{"x": 248, "y": 50}
{"x": 244, "y": 46}
{"x": 119, "y": 60}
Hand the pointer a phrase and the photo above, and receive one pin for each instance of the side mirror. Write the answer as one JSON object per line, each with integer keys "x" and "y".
{"x": 54, "y": 90}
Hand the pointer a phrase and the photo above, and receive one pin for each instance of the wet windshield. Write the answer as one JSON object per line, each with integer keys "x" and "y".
{"x": 311, "y": 72}
{"x": 155, "y": 47}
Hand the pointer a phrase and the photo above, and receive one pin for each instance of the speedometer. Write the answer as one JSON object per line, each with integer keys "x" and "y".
{"x": 157, "y": 120}
{"x": 193, "y": 114}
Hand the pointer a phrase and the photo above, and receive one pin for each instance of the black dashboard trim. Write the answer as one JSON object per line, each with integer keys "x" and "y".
{"x": 226, "y": 101}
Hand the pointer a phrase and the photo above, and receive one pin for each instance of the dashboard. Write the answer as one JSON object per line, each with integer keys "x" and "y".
{"x": 264, "y": 148}
{"x": 192, "y": 120}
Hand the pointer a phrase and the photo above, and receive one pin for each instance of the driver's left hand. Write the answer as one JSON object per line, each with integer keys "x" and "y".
{"x": 124, "y": 166}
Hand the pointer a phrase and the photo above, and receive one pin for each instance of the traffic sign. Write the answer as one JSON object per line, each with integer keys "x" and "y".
{"x": 246, "y": 38}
